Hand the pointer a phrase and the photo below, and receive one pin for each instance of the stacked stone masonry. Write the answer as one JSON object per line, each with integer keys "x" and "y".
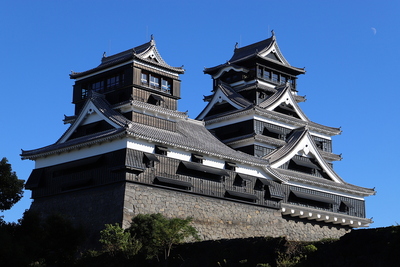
{"x": 222, "y": 219}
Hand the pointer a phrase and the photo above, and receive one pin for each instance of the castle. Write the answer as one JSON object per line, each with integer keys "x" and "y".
{"x": 250, "y": 164}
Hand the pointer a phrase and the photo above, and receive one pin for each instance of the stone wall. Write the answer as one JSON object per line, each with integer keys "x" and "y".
{"x": 222, "y": 219}
{"x": 214, "y": 218}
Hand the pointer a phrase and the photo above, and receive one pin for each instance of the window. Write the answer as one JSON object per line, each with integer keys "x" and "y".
{"x": 239, "y": 181}
{"x": 345, "y": 207}
{"x": 154, "y": 81}
{"x": 202, "y": 171}
{"x": 173, "y": 183}
{"x": 97, "y": 86}
{"x": 113, "y": 82}
{"x": 283, "y": 79}
{"x": 275, "y": 77}
{"x": 241, "y": 196}
{"x": 155, "y": 100}
{"x": 230, "y": 166}
{"x": 161, "y": 150}
{"x": 197, "y": 158}
{"x": 165, "y": 85}
{"x": 144, "y": 78}
{"x": 267, "y": 75}
{"x": 149, "y": 159}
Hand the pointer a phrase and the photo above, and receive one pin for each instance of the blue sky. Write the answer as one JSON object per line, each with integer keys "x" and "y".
{"x": 350, "y": 50}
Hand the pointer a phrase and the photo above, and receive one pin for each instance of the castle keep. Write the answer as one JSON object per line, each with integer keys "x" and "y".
{"x": 250, "y": 164}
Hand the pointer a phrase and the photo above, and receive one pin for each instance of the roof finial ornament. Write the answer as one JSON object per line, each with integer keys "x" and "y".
{"x": 236, "y": 45}
{"x": 272, "y": 32}
{"x": 152, "y": 39}
{"x": 104, "y": 54}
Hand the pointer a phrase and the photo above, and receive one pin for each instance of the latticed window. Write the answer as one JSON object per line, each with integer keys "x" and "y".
{"x": 154, "y": 81}
{"x": 267, "y": 75}
{"x": 144, "y": 78}
{"x": 97, "y": 86}
{"x": 114, "y": 81}
{"x": 165, "y": 85}
{"x": 275, "y": 77}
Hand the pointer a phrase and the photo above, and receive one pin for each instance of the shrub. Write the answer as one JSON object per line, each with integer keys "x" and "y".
{"x": 158, "y": 234}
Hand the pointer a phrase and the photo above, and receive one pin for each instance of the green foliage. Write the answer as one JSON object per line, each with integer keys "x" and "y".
{"x": 11, "y": 189}
{"x": 309, "y": 248}
{"x": 116, "y": 240}
{"x": 158, "y": 234}
{"x": 294, "y": 253}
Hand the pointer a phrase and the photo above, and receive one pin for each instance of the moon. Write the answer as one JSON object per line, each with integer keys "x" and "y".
{"x": 373, "y": 30}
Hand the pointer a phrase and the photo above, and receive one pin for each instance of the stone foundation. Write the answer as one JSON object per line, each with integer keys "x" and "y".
{"x": 222, "y": 219}
{"x": 213, "y": 218}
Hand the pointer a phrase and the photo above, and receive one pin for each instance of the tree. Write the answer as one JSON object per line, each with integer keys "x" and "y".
{"x": 158, "y": 234}
{"x": 116, "y": 240}
{"x": 11, "y": 188}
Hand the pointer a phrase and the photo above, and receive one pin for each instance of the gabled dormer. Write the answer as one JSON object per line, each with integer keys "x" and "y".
{"x": 224, "y": 100}
{"x": 139, "y": 74}
{"x": 283, "y": 102}
{"x": 300, "y": 154}
{"x": 95, "y": 117}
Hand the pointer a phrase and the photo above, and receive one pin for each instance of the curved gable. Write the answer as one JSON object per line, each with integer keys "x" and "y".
{"x": 273, "y": 52}
{"x": 95, "y": 110}
{"x": 283, "y": 97}
{"x": 300, "y": 143}
{"x": 224, "y": 94}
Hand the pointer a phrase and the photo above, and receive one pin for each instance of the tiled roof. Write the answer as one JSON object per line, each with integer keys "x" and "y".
{"x": 316, "y": 181}
{"x": 291, "y": 143}
{"x": 190, "y": 135}
{"x": 254, "y": 51}
{"x": 130, "y": 54}
{"x": 278, "y": 95}
{"x": 101, "y": 103}
{"x": 76, "y": 143}
{"x": 193, "y": 136}
{"x": 234, "y": 96}
{"x": 251, "y": 50}
{"x": 275, "y": 116}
